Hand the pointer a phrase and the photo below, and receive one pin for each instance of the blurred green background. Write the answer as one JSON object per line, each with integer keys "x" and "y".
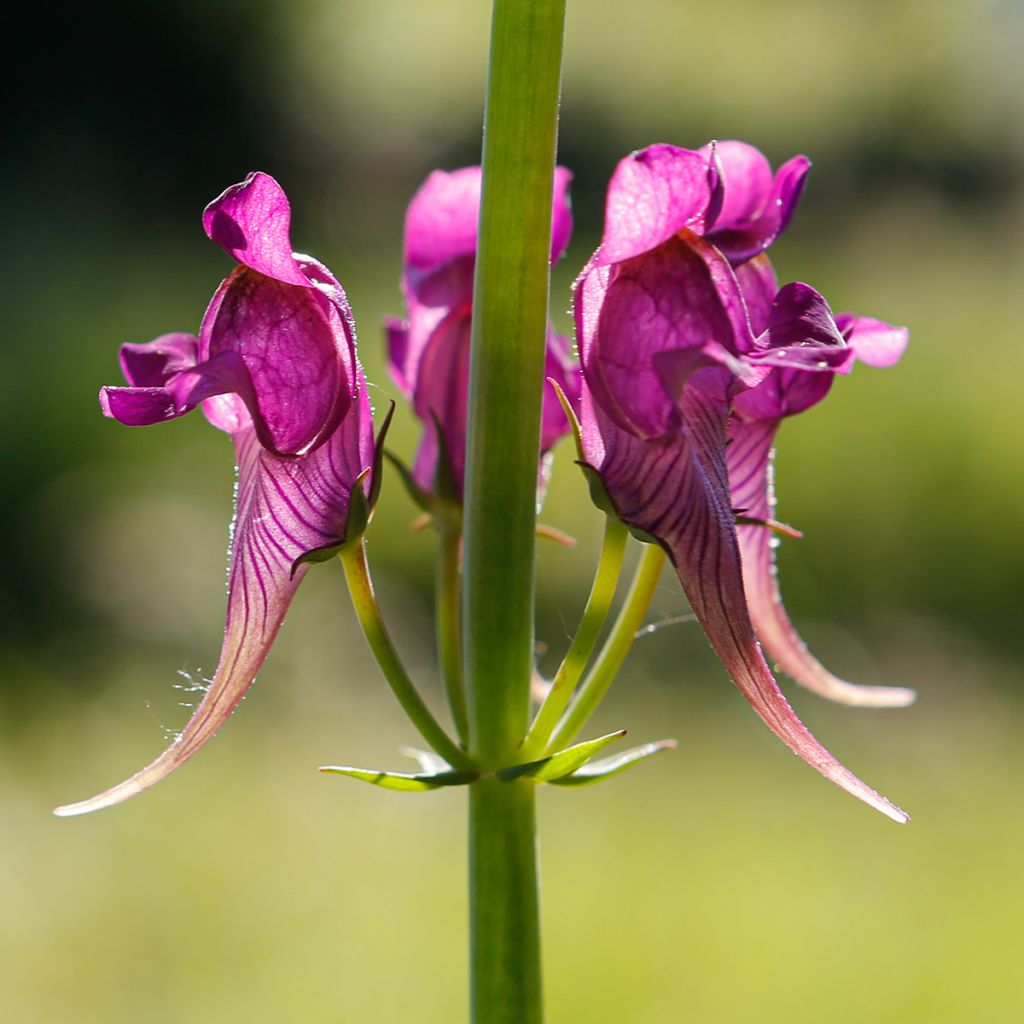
{"x": 724, "y": 882}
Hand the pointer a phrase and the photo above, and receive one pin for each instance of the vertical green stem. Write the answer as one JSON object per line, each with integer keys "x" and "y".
{"x": 510, "y": 309}
{"x": 504, "y": 904}
{"x": 449, "y": 626}
{"x": 616, "y": 647}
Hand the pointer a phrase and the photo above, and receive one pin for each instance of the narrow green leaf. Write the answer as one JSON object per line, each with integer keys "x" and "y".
{"x": 402, "y": 781}
{"x": 598, "y": 771}
{"x": 563, "y": 763}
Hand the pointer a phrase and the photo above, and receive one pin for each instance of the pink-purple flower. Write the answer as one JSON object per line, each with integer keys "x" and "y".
{"x": 428, "y": 353}
{"x": 275, "y": 367}
{"x": 675, "y": 363}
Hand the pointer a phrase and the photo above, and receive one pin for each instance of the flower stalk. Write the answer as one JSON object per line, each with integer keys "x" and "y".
{"x": 364, "y": 600}
{"x": 616, "y": 646}
{"x": 602, "y": 593}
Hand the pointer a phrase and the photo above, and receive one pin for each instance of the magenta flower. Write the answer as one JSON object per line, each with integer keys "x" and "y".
{"x": 757, "y": 415}
{"x": 667, "y": 347}
{"x": 429, "y": 353}
{"x": 275, "y": 366}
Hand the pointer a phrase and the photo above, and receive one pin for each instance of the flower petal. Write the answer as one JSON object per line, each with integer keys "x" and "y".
{"x": 677, "y": 492}
{"x": 442, "y": 396}
{"x": 442, "y": 220}
{"x": 653, "y": 194}
{"x": 750, "y": 476}
{"x": 755, "y": 208}
{"x": 801, "y": 342}
{"x": 285, "y": 507}
{"x": 296, "y": 347}
{"x": 251, "y": 221}
{"x": 873, "y": 341}
{"x": 801, "y": 332}
{"x": 139, "y": 407}
{"x": 150, "y": 364}
{"x": 663, "y": 315}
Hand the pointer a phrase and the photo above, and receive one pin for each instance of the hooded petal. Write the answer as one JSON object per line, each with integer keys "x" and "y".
{"x": 675, "y": 491}
{"x": 750, "y": 476}
{"x": 653, "y": 194}
{"x": 251, "y": 222}
{"x": 285, "y": 507}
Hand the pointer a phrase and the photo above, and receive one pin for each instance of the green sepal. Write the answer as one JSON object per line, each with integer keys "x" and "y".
{"x": 598, "y": 771}
{"x": 446, "y": 487}
{"x": 378, "y": 456}
{"x": 570, "y": 415}
{"x": 402, "y": 781}
{"x": 565, "y": 762}
{"x": 360, "y": 506}
{"x": 418, "y": 495}
{"x": 598, "y": 492}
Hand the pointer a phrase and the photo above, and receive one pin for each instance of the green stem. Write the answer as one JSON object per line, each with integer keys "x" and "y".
{"x": 449, "y": 626}
{"x": 504, "y": 903}
{"x": 616, "y": 647}
{"x": 602, "y": 593}
{"x": 510, "y": 310}
{"x": 360, "y": 587}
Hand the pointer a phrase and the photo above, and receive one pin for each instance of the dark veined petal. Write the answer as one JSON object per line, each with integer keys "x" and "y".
{"x": 284, "y": 508}
{"x": 750, "y": 476}
{"x": 676, "y": 491}
{"x": 653, "y": 194}
{"x": 251, "y": 221}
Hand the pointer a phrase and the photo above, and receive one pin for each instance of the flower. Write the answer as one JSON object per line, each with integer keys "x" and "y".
{"x": 757, "y": 415}
{"x": 668, "y": 347}
{"x": 275, "y": 367}
{"x": 428, "y": 354}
